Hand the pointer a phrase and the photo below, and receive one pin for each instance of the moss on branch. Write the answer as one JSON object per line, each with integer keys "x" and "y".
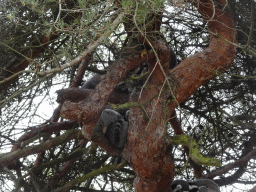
{"x": 194, "y": 153}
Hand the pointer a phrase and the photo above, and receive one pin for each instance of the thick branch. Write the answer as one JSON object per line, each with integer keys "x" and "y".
{"x": 8, "y": 158}
{"x": 72, "y": 94}
{"x": 194, "y": 153}
{"x": 146, "y": 147}
{"x": 80, "y": 71}
{"x": 86, "y": 113}
{"x": 49, "y": 128}
{"x": 78, "y": 94}
{"x": 194, "y": 71}
{"x": 240, "y": 162}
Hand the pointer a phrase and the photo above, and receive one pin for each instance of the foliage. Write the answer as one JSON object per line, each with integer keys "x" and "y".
{"x": 42, "y": 46}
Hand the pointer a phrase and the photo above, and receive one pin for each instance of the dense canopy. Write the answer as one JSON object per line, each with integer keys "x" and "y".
{"x": 185, "y": 70}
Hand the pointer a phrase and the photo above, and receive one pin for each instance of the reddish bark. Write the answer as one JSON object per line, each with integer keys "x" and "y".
{"x": 56, "y": 114}
{"x": 147, "y": 149}
{"x": 146, "y": 142}
{"x": 176, "y": 124}
{"x": 194, "y": 71}
{"x": 88, "y": 111}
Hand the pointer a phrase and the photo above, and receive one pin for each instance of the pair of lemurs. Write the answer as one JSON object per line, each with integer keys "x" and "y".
{"x": 111, "y": 123}
{"x": 114, "y": 125}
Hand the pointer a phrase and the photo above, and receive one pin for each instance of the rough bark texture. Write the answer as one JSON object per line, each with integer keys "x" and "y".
{"x": 203, "y": 66}
{"x": 88, "y": 111}
{"x": 147, "y": 149}
{"x": 146, "y": 144}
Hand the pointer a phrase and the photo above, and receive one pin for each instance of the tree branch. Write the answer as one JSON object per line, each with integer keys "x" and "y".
{"x": 8, "y": 158}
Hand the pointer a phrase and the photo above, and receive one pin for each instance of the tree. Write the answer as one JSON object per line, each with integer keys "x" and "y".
{"x": 205, "y": 103}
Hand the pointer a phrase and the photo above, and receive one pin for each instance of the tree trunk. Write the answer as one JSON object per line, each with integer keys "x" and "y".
{"x": 147, "y": 148}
